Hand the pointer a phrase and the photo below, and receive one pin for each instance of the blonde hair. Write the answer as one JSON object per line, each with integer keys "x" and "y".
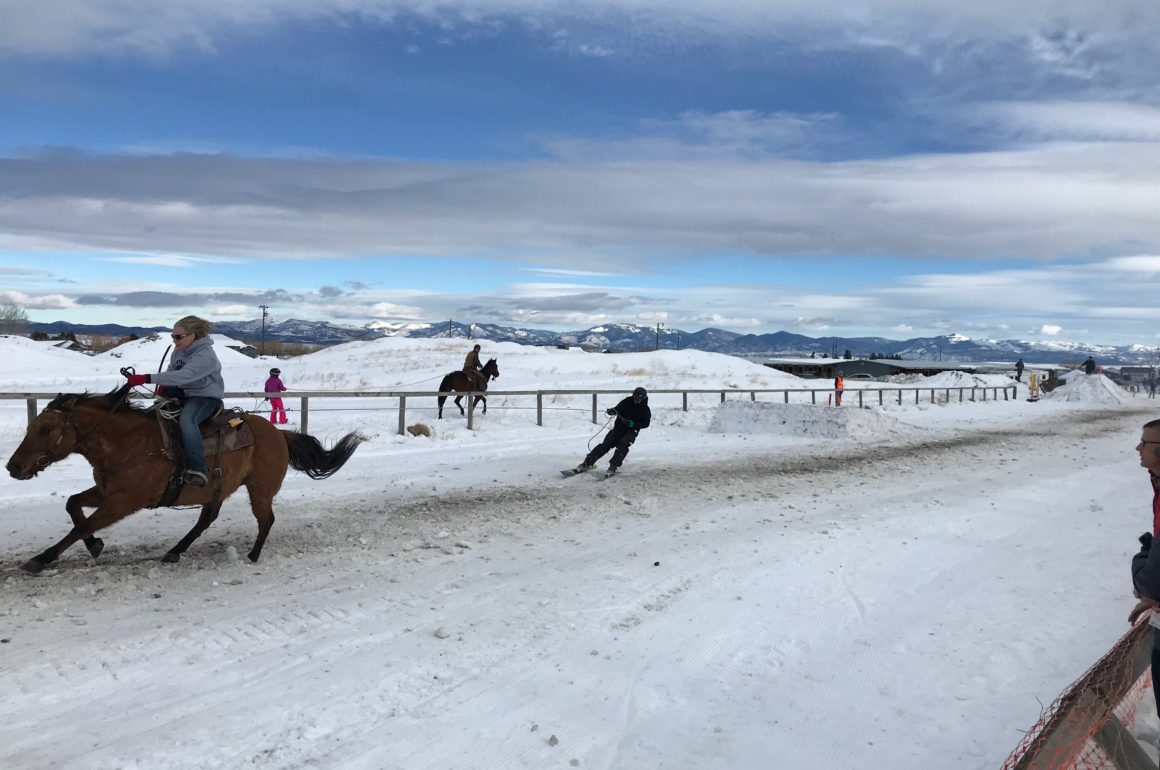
{"x": 199, "y": 326}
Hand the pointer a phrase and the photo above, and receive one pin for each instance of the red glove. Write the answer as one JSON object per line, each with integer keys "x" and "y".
{"x": 138, "y": 379}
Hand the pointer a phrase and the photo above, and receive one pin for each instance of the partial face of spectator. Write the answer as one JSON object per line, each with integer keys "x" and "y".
{"x": 1147, "y": 448}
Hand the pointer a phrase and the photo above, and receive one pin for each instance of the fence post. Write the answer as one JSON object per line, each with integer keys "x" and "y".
{"x": 684, "y": 402}
{"x": 402, "y": 414}
{"x": 722, "y": 397}
{"x": 470, "y": 411}
{"x": 786, "y": 397}
{"x": 860, "y": 398}
{"x": 31, "y": 410}
{"x": 880, "y": 397}
{"x": 813, "y": 396}
{"x": 593, "y": 408}
{"x": 900, "y": 396}
{"x": 305, "y": 414}
{"x": 539, "y": 409}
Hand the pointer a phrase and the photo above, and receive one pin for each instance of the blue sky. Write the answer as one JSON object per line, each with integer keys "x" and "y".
{"x": 896, "y": 168}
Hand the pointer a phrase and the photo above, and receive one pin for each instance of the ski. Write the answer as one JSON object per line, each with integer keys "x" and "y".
{"x": 572, "y": 472}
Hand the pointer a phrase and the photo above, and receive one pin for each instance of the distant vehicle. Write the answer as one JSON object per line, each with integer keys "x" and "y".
{"x": 859, "y": 376}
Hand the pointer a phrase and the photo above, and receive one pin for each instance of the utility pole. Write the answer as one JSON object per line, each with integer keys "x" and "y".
{"x": 264, "y": 314}
{"x": 658, "y": 343}
{"x": 449, "y": 321}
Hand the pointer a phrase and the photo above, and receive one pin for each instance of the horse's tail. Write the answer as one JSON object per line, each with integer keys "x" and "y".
{"x": 309, "y": 456}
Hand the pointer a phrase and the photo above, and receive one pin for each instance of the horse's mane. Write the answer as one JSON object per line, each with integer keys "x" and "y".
{"x": 113, "y": 401}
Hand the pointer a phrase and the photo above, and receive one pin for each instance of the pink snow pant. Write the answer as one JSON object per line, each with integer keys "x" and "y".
{"x": 277, "y": 411}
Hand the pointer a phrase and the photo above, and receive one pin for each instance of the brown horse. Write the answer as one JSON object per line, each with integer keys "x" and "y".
{"x": 123, "y": 444}
{"x": 459, "y": 381}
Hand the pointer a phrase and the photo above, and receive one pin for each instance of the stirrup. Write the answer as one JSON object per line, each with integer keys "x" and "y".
{"x": 195, "y": 478}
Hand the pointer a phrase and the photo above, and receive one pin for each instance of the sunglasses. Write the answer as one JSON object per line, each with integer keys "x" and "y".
{"x": 180, "y": 336}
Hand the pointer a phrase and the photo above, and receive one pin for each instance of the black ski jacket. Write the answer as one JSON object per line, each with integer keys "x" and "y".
{"x": 640, "y": 414}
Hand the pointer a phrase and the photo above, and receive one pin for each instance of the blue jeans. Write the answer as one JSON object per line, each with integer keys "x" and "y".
{"x": 193, "y": 411}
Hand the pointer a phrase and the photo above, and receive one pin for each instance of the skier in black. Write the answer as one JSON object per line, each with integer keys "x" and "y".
{"x": 632, "y": 416}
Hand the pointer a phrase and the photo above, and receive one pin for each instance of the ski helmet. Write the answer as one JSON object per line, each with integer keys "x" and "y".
{"x": 640, "y": 392}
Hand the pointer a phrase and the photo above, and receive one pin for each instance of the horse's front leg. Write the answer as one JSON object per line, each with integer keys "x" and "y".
{"x": 90, "y": 498}
{"x": 107, "y": 513}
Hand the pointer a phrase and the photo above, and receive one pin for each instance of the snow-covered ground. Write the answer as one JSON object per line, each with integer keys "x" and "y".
{"x": 763, "y": 586}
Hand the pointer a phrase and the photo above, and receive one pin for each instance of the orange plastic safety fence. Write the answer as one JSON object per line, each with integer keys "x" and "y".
{"x": 1065, "y": 735}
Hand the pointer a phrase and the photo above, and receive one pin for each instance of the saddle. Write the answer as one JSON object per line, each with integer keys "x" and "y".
{"x": 476, "y": 379}
{"x": 223, "y": 431}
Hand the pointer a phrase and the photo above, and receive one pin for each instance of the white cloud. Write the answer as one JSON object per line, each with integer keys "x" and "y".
{"x": 393, "y": 310}
{"x": 37, "y": 301}
{"x": 143, "y": 27}
{"x": 164, "y": 260}
{"x": 1050, "y": 330}
{"x": 1045, "y": 203}
{"x": 1070, "y": 120}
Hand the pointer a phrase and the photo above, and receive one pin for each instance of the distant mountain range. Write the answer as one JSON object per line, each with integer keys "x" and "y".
{"x": 630, "y": 337}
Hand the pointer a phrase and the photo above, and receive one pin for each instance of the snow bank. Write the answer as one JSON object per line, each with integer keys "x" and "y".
{"x": 807, "y": 421}
{"x": 1090, "y": 389}
{"x": 964, "y": 380}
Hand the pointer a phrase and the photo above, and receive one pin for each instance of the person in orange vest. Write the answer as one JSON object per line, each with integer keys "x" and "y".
{"x": 839, "y": 384}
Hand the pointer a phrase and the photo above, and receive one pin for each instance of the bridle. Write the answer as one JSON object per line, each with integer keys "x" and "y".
{"x": 49, "y": 456}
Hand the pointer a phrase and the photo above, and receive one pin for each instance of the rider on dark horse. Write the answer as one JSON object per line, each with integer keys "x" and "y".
{"x": 472, "y": 368}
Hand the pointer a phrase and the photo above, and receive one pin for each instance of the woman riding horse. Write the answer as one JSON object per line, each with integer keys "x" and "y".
{"x": 124, "y": 444}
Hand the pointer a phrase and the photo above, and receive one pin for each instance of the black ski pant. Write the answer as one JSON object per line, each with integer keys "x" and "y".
{"x": 621, "y": 438}
{"x": 1156, "y": 666}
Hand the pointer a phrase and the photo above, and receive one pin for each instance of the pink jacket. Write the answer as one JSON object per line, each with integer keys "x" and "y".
{"x": 274, "y": 385}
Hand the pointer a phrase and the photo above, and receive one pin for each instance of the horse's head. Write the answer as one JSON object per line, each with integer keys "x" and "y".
{"x": 50, "y": 437}
{"x": 491, "y": 369}
{"x": 55, "y": 434}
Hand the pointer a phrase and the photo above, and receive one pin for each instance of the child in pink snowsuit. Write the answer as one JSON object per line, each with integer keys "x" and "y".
{"x": 277, "y": 409}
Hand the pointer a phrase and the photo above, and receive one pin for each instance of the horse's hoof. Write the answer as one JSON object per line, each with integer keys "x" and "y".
{"x": 32, "y": 566}
{"x": 253, "y": 557}
{"x": 171, "y": 558}
{"x": 95, "y": 546}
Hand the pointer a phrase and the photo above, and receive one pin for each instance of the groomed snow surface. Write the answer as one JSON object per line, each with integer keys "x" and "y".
{"x": 765, "y": 585}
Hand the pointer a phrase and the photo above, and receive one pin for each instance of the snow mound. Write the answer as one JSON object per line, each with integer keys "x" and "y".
{"x": 1090, "y": 389}
{"x": 807, "y": 421}
{"x": 964, "y": 380}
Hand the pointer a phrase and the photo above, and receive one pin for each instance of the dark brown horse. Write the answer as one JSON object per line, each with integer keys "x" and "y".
{"x": 460, "y": 382}
{"x": 123, "y": 444}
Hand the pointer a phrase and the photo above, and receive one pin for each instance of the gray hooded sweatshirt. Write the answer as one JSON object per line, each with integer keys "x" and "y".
{"x": 196, "y": 370}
